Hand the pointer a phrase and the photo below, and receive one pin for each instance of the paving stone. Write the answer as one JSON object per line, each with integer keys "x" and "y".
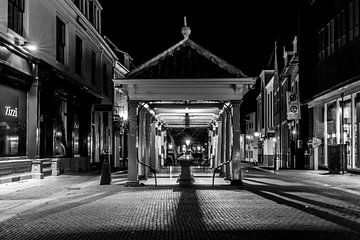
{"x": 267, "y": 206}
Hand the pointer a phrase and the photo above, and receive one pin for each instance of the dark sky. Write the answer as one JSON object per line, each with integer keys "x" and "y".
{"x": 240, "y": 32}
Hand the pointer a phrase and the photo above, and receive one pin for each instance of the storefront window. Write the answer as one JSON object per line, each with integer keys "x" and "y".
{"x": 356, "y": 130}
{"x": 12, "y": 122}
{"x": 347, "y": 127}
{"x": 60, "y": 128}
{"x": 76, "y": 140}
{"x": 331, "y": 124}
{"x": 319, "y": 129}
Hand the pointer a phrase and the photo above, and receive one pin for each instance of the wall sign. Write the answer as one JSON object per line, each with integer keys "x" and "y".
{"x": 11, "y": 112}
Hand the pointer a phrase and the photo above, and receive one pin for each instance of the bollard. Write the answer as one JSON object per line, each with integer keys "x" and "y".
{"x": 106, "y": 170}
{"x": 276, "y": 164}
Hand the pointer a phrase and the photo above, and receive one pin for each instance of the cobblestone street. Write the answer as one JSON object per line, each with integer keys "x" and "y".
{"x": 267, "y": 206}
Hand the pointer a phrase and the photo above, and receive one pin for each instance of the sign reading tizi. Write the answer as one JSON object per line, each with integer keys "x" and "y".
{"x": 11, "y": 112}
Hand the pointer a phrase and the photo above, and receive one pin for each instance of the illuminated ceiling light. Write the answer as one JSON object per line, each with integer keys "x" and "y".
{"x": 187, "y": 142}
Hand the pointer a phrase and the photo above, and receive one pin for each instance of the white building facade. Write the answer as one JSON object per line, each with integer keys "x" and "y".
{"x": 65, "y": 90}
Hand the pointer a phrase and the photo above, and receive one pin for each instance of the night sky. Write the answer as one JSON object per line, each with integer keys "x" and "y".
{"x": 240, "y": 32}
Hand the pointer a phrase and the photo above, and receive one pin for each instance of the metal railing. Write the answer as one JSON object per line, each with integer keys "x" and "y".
{"x": 219, "y": 166}
{"x": 151, "y": 169}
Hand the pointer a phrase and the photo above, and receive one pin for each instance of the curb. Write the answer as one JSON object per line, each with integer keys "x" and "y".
{"x": 15, "y": 178}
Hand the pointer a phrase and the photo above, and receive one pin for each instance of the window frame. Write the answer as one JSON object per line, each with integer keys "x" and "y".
{"x": 16, "y": 10}
{"x": 93, "y": 67}
{"x": 78, "y": 54}
{"x": 60, "y": 40}
{"x": 105, "y": 76}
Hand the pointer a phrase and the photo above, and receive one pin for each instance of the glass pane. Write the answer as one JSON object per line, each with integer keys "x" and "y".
{"x": 357, "y": 132}
{"x": 319, "y": 128}
{"x": 76, "y": 139}
{"x": 12, "y": 122}
{"x": 347, "y": 128}
{"x": 331, "y": 124}
{"x": 60, "y": 127}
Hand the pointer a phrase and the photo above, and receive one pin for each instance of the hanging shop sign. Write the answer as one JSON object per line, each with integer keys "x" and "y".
{"x": 316, "y": 142}
{"x": 292, "y": 105}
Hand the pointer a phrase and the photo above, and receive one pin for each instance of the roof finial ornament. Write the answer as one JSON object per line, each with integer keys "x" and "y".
{"x": 185, "y": 30}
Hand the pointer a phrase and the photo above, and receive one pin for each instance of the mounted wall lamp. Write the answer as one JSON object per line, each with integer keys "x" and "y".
{"x": 30, "y": 46}
{"x": 26, "y": 44}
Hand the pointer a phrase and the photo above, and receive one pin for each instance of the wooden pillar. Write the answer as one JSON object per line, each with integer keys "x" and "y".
{"x": 141, "y": 140}
{"x": 228, "y": 145}
{"x": 223, "y": 142}
{"x": 216, "y": 147}
{"x": 132, "y": 152}
{"x": 153, "y": 145}
{"x": 219, "y": 144}
{"x": 147, "y": 143}
{"x": 236, "y": 178}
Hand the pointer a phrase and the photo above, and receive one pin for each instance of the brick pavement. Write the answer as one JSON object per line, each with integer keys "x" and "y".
{"x": 267, "y": 206}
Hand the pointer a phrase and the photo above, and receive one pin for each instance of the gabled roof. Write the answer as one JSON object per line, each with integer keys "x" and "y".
{"x": 184, "y": 60}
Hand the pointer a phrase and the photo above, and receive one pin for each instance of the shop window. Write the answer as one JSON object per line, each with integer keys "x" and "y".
{"x": 356, "y": 131}
{"x": 12, "y": 122}
{"x": 331, "y": 124}
{"x": 319, "y": 129}
{"x": 347, "y": 128}
{"x": 76, "y": 136}
{"x": 60, "y": 127}
{"x": 60, "y": 40}
{"x": 16, "y": 16}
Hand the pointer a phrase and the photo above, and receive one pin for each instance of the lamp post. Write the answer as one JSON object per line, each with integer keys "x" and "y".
{"x": 276, "y": 165}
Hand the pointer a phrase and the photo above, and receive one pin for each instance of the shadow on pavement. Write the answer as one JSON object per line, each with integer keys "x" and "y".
{"x": 281, "y": 195}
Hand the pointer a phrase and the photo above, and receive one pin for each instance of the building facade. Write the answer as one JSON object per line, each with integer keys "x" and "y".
{"x": 58, "y": 98}
{"x": 329, "y": 61}
{"x": 265, "y": 119}
{"x": 287, "y": 115}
